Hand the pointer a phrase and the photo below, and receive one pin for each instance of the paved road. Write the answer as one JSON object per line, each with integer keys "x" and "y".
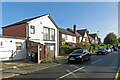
{"x": 100, "y": 67}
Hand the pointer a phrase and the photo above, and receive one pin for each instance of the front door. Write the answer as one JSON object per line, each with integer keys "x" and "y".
{"x": 50, "y": 51}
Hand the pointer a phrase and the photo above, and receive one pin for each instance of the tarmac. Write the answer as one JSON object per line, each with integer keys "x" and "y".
{"x": 15, "y": 68}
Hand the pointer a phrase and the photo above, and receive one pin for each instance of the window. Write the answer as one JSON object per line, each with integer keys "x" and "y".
{"x": 18, "y": 46}
{"x": 46, "y": 33}
{"x": 1, "y": 44}
{"x": 32, "y": 29}
{"x": 49, "y": 34}
{"x": 87, "y": 39}
{"x": 52, "y": 34}
{"x": 72, "y": 38}
{"x": 84, "y": 39}
{"x": 65, "y": 37}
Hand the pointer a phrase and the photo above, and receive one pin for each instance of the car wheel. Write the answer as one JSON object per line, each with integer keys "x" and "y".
{"x": 69, "y": 62}
{"x": 106, "y": 53}
{"x": 89, "y": 59}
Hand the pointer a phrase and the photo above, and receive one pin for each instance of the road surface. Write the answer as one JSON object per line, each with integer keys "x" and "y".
{"x": 100, "y": 67}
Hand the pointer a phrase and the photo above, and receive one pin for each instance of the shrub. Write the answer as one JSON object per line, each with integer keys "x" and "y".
{"x": 95, "y": 46}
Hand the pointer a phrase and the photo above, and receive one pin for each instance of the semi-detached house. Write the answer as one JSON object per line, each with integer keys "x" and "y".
{"x": 41, "y": 29}
{"x": 82, "y": 35}
{"x": 94, "y": 38}
{"x": 68, "y": 37}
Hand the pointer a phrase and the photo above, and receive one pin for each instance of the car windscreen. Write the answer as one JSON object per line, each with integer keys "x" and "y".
{"x": 77, "y": 51}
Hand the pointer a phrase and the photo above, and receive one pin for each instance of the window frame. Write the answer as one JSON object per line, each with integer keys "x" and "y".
{"x": 32, "y": 28}
{"x": 72, "y": 38}
{"x": 49, "y": 29}
{"x": 16, "y": 43}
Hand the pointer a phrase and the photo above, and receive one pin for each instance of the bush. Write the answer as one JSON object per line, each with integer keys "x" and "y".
{"x": 105, "y": 46}
{"x": 65, "y": 50}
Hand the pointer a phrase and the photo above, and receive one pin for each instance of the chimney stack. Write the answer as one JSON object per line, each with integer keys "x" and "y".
{"x": 74, "y": 29}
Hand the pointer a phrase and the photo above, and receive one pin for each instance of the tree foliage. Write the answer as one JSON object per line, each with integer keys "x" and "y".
{"x": 111, "y": 38}
{"x": 119, "y": 39}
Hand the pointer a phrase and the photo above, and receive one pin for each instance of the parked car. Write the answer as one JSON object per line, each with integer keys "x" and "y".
{"x": 102, "y": 51}
{"x": 79, "y": 55}
{"x": 108, "y": 50}
{"x": 112, "y": 49}
{"x": 115, "y": 48}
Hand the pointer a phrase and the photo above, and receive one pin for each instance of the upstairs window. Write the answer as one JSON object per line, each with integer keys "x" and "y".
{"x": 87, "y": 39}
{"x": 32, "y": 29}
{"x": 65, "y": 37}
{"x": 49, "y": 34}
{"x": 72, "y": 38}
{"x": 52, "y": 34}
{"x": 1, "y": 44}
{"x": 46, "y": 33}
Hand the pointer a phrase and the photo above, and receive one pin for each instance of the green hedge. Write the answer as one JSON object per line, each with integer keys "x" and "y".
{"x": 65, "y": 50}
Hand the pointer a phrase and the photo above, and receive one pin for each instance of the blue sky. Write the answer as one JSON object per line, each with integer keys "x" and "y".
{"x": 94, "y": 16}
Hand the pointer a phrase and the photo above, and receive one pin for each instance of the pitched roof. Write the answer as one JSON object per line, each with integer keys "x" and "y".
{"x": 82, "y": 31}
{"x": 72, "y": 31}
{"x": 64, "y": 31}
{"x": 93, "y": 35}
{"x": 26, "y": 20}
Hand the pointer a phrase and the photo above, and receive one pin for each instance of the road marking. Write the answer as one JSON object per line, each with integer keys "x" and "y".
{"x": 70, "y": 73}
{"x": 78, "y": 67}
{"x": 117, "y": 74}
{"x": 74, "y": 66}
{"x": 96, "y": 61}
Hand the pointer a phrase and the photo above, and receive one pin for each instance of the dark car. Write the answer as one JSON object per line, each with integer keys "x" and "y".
{"x": 112, "y": 49}
{"x": 115, "y": 48}
{"x": 102, "y": 51}
{"x": 79, "y": 55}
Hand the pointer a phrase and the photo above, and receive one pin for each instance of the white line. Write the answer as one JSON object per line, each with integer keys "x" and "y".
{"x": 77, "y": 67}
{"x": 70, "y": 73}
{"x": 74, "y": 66}
{"x": 96, "y": 61}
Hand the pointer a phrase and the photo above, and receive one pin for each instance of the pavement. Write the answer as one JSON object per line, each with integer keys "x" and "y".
{"x": 100, "y": 67}
{"x": 16, "y": 68}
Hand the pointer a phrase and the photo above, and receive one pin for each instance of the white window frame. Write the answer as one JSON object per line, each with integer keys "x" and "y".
{"x": 32, "y": 29}
{"x": 18, "y": 44}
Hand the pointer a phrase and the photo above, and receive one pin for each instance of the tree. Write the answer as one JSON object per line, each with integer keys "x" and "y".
{"x": 111, "y": 38}
{"x": 62, "y": 42}
{"x": 119, "y": 39}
